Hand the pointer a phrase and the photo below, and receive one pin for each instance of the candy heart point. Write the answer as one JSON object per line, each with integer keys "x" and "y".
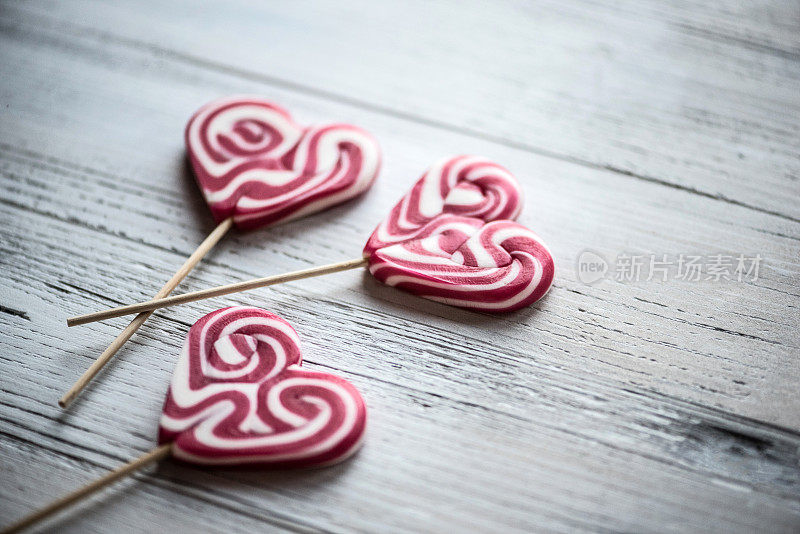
{"x": 248, "y": 136}
{"x": 466, "y": 195}
{"x": 235, "y": 349}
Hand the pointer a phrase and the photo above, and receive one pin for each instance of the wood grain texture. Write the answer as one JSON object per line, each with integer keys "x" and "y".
{"x": 122, "y": 338}
{"x": 80, "y": 495}
{"x": 638, "y": 407}
{"x": 648, "y": 93}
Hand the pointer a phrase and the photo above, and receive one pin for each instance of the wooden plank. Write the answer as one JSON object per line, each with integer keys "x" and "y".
{"x": 507, "y": 450}
{"x": 765, "y": 25}
{"x": 640, "y": 91}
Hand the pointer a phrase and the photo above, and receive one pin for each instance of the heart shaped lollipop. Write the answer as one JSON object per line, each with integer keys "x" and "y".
{"x": 257, "y": 167}
{"x": 255, "y": 164}
{"x": 436, "y": 242}
{"x": 239, "y": 395}
{"x": 449, "y": 239}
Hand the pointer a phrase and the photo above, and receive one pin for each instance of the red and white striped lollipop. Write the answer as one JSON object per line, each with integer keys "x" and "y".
{"x": 436, "y": 242}
{"x": 255, "y": 164}
{"x": 462, "y": 261}
{"x": 463, "y": 185}
{"x": 450, "y": 239}
{"x": 256, "y": 167}
{"x": 240, "y": 396}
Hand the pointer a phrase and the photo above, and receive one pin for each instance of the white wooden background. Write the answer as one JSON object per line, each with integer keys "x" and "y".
{"x": 661, "y": 127}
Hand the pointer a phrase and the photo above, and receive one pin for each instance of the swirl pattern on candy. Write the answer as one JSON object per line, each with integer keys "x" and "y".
{"x": 462, "y": 185}
{"x": 498, "y": 266}
{"x": 240, "y": 396}
{"x": 255, "y": 164}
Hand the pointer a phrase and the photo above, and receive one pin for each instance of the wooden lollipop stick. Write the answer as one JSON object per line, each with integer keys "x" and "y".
{"x": 153, "y": 456}
{"x": 207, "y": 244}
{"x": 216, "y": 292}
